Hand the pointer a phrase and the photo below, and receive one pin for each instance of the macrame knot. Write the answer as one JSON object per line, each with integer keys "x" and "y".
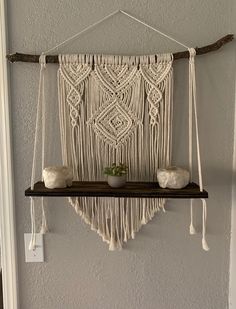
{"x": 42, "y": 61}
{"x": 192, "y": 54}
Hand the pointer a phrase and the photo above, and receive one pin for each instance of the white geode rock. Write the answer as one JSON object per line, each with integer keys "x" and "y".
{"x": 57, "y": 177}
{"x": 173, "y": 177}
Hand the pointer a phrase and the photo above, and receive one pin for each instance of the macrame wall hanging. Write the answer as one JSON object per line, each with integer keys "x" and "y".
{"x": 116, "y": 109}
{"x": 120, "y": 111}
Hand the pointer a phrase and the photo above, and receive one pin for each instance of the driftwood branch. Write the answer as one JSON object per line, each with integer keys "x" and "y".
{"x": 179, "y": 55}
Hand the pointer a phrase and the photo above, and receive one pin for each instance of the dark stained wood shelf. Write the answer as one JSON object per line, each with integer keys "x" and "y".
{"x": 131, "y": 189}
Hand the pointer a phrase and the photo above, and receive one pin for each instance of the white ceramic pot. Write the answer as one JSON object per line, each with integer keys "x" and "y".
{"x": 116, "y": 181}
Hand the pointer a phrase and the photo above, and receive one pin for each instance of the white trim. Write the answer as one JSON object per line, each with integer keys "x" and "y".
{"x": 7, "y": 219}
{"x": 232, "y": 266}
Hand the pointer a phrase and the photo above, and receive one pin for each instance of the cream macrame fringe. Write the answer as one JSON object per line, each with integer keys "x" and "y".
{"x": 116, "y": 219}
{"x": 116, "y": 109}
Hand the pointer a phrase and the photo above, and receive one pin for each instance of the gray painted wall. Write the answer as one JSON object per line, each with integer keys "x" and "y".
{"x": 163, "y": 267}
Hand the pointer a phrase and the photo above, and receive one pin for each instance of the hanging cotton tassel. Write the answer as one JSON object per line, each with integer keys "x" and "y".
{"x": 132, "y": 218}
{"x": 162, "y": 204}
{"x": 192, "y": 229}
{"x": 32, "y": 244}
{"x": 93, "y": 228}
{"x": 117, "y": 224}
{"x": 86, "y": 215}
{"x": 125, "y": 223}
{"x": 204, "y": 217}
{"x": 44, "y": 227}
{"x": 144, "y": 219}
{"x": 153, "y": 207}
{"x": 157, "y": 205}
{"x": 112, "y": 244}
{"x": 99, "y": 218}
{"x": 96, "y": 214}
{"x": 125, "y": 230}
{"x": 76, "y": 206}
{"x": 105, "y": 236}
{"x": 121, "y": 216}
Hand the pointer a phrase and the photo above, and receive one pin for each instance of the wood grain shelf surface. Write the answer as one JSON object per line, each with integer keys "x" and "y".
{"x": 131, "y": 189}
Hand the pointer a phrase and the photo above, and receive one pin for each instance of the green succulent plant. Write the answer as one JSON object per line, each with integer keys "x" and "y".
{"x": 116, "y": 170}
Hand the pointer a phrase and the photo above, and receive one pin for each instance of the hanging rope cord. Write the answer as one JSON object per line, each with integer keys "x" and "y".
{"x": 192, "y": 105}
{"x": 193, "y": 110}
{"x": 40, "y": 117}
{"x": 76, "y": 35}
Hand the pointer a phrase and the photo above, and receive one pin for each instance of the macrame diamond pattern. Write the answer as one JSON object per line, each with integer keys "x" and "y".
{"x": 114, "y": 124}
{"x": 115, "y": 121}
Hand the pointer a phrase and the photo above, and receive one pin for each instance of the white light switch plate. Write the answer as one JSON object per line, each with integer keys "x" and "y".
{"x": 36, "y": 255}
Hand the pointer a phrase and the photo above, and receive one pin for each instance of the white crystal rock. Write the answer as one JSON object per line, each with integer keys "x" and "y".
{"x": 173, "y": 177}
{"x": 57, "y": 177}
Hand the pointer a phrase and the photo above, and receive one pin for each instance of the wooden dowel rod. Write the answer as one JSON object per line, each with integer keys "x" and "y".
{"x": 179, "y": 55}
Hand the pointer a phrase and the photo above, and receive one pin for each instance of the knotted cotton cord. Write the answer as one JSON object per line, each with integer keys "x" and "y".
{"x": 192, "y": 229}
{"x": 204, "y": 217}
{"x": 39, "y": 114}
{"x": 193, "y": 107}
{"x": 192, "y": 52}
{"x": 44, "y": 227}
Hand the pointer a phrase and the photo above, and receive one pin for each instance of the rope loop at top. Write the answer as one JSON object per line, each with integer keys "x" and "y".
{"x": 192, "y": 54}
{"x": 42, "y": 60}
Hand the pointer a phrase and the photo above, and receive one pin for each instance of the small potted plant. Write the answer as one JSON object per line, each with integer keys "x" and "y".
{"x": 116, "y": 175}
